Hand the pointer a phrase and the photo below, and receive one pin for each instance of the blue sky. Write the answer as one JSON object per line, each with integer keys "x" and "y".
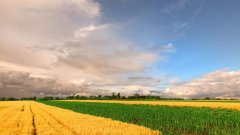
{"x": 171, "y": 48}
{"x": 204, "y": 33}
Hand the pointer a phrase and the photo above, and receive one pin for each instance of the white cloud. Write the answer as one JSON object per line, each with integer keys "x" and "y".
{"x": 164, "y": 48}
{"x": 83, "y": 7}
{"x": 83, "y": 32}
{"x": 57, "y": 47}
{"x": 180, "y": 4}
{"x": 103, "y": 53}
{"x": 221, "y": 83}
{"x": 44, "y": 22}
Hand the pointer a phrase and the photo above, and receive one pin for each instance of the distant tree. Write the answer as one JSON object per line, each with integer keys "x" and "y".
{"x": 2, "y": 99}
{"x": 99, "y": 97}
{"x": 70, "y": 97}
{"x": 206, "y": 98}
{"x": 118, "y": 96}
{"x": 57, "y": 98}
{"x": 113, "y": 96}
{"x": 107, "y": 97}
{"x": 23, "y": 98}
{"x": 34, "y": 98}
{"x": 28, "y": 98}
{"x": 11, "y": 99}
{"x": 136, "y": 96}
{"x": 124, "y": 97}
{"x": 150, "y": 97}
{"x": 77, "y": 97}
{"x": 131, "y": 97}
{"x": 157, "y": 97}
{"x": 48, "y": 98}
{"x": 142, "y": 97}
{"x": 83, "y": 97}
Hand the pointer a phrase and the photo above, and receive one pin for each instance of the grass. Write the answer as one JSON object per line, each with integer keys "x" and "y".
{"x": 167, "y": 100}
{"x": 169, "y": 120}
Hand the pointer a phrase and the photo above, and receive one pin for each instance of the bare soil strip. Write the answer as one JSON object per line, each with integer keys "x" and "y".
{"x": 33, "y": 121}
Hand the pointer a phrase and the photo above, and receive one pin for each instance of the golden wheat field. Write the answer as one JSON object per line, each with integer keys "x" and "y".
{"x": 32, "y": 118}
{"x": 224, "y": 105}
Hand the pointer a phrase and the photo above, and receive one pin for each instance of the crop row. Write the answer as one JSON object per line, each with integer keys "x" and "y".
{"x": 169, "y": 120}
{"x": 212, "y": 104}
{"x": 32, "y": 118}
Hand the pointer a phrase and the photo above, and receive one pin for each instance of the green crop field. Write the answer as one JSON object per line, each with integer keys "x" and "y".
{"x": 169, "y": 120}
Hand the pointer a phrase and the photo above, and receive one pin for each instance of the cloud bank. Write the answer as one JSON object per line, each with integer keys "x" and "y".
{"x": 217, "y": 84}
{"x": 60, "y": 47}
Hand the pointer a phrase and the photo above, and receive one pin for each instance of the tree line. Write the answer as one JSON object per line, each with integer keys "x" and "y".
{"x": 105, "y": 97}
{"x": 114, "y": 96}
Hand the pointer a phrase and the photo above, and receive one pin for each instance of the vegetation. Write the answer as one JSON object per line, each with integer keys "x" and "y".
{"x": 169, "y": 120}
{"x": 113, "y": 97}
{"x": 110, "y": 97}
{"x": 235, "y": 105}
{"x": 8, "y": 99}
{"x": 15, "y": 99}
{"x": 15, "y": 118}
{"x": 32, "y": 118}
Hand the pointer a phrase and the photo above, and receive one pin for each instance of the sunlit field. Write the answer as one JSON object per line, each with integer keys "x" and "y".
{"x": 112, "y": 117}
{"x": 119, "y": 67}
{"x": 166, "y": 117}
{"x": 212, "y": 104}
{"x": 32, "y": 118}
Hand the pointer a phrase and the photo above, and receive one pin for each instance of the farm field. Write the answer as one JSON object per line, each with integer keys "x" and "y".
{"x": 235, "y": 104}
{"x": 32, "y": 118}
{"x": 167, "y": 119}
{"x": 119, "y": 67}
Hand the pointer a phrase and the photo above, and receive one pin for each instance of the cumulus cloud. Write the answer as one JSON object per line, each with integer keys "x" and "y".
{"x": 19, "y": 84}
{"x": 180, "y": 4}
{"x": 218, "y": 84}
{"x": 59, "y": 47}
{"x": 84, "y": 31}
{"x": 44, "y": 22}
{"x": 147, "y": 80}
{"x": 13, "y": 78}
{"x": 103, "y": 55}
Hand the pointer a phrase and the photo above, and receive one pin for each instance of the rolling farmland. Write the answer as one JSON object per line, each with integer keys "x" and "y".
{"x": 32, "y": 118}
{"x": 119, "y": 67}
{"x": 167, "y": 119}
{"x": 92, "y": 117}
{"x": 212, "y": 104}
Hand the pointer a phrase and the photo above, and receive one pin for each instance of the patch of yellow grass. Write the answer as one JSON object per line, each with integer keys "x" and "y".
{"x": 15, "y": 119}
{"x": 224, "y": 105}
{"x": 28, "y": 118}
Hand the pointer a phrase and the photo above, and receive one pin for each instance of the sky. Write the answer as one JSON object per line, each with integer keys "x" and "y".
{"x": 176, "y": 48}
